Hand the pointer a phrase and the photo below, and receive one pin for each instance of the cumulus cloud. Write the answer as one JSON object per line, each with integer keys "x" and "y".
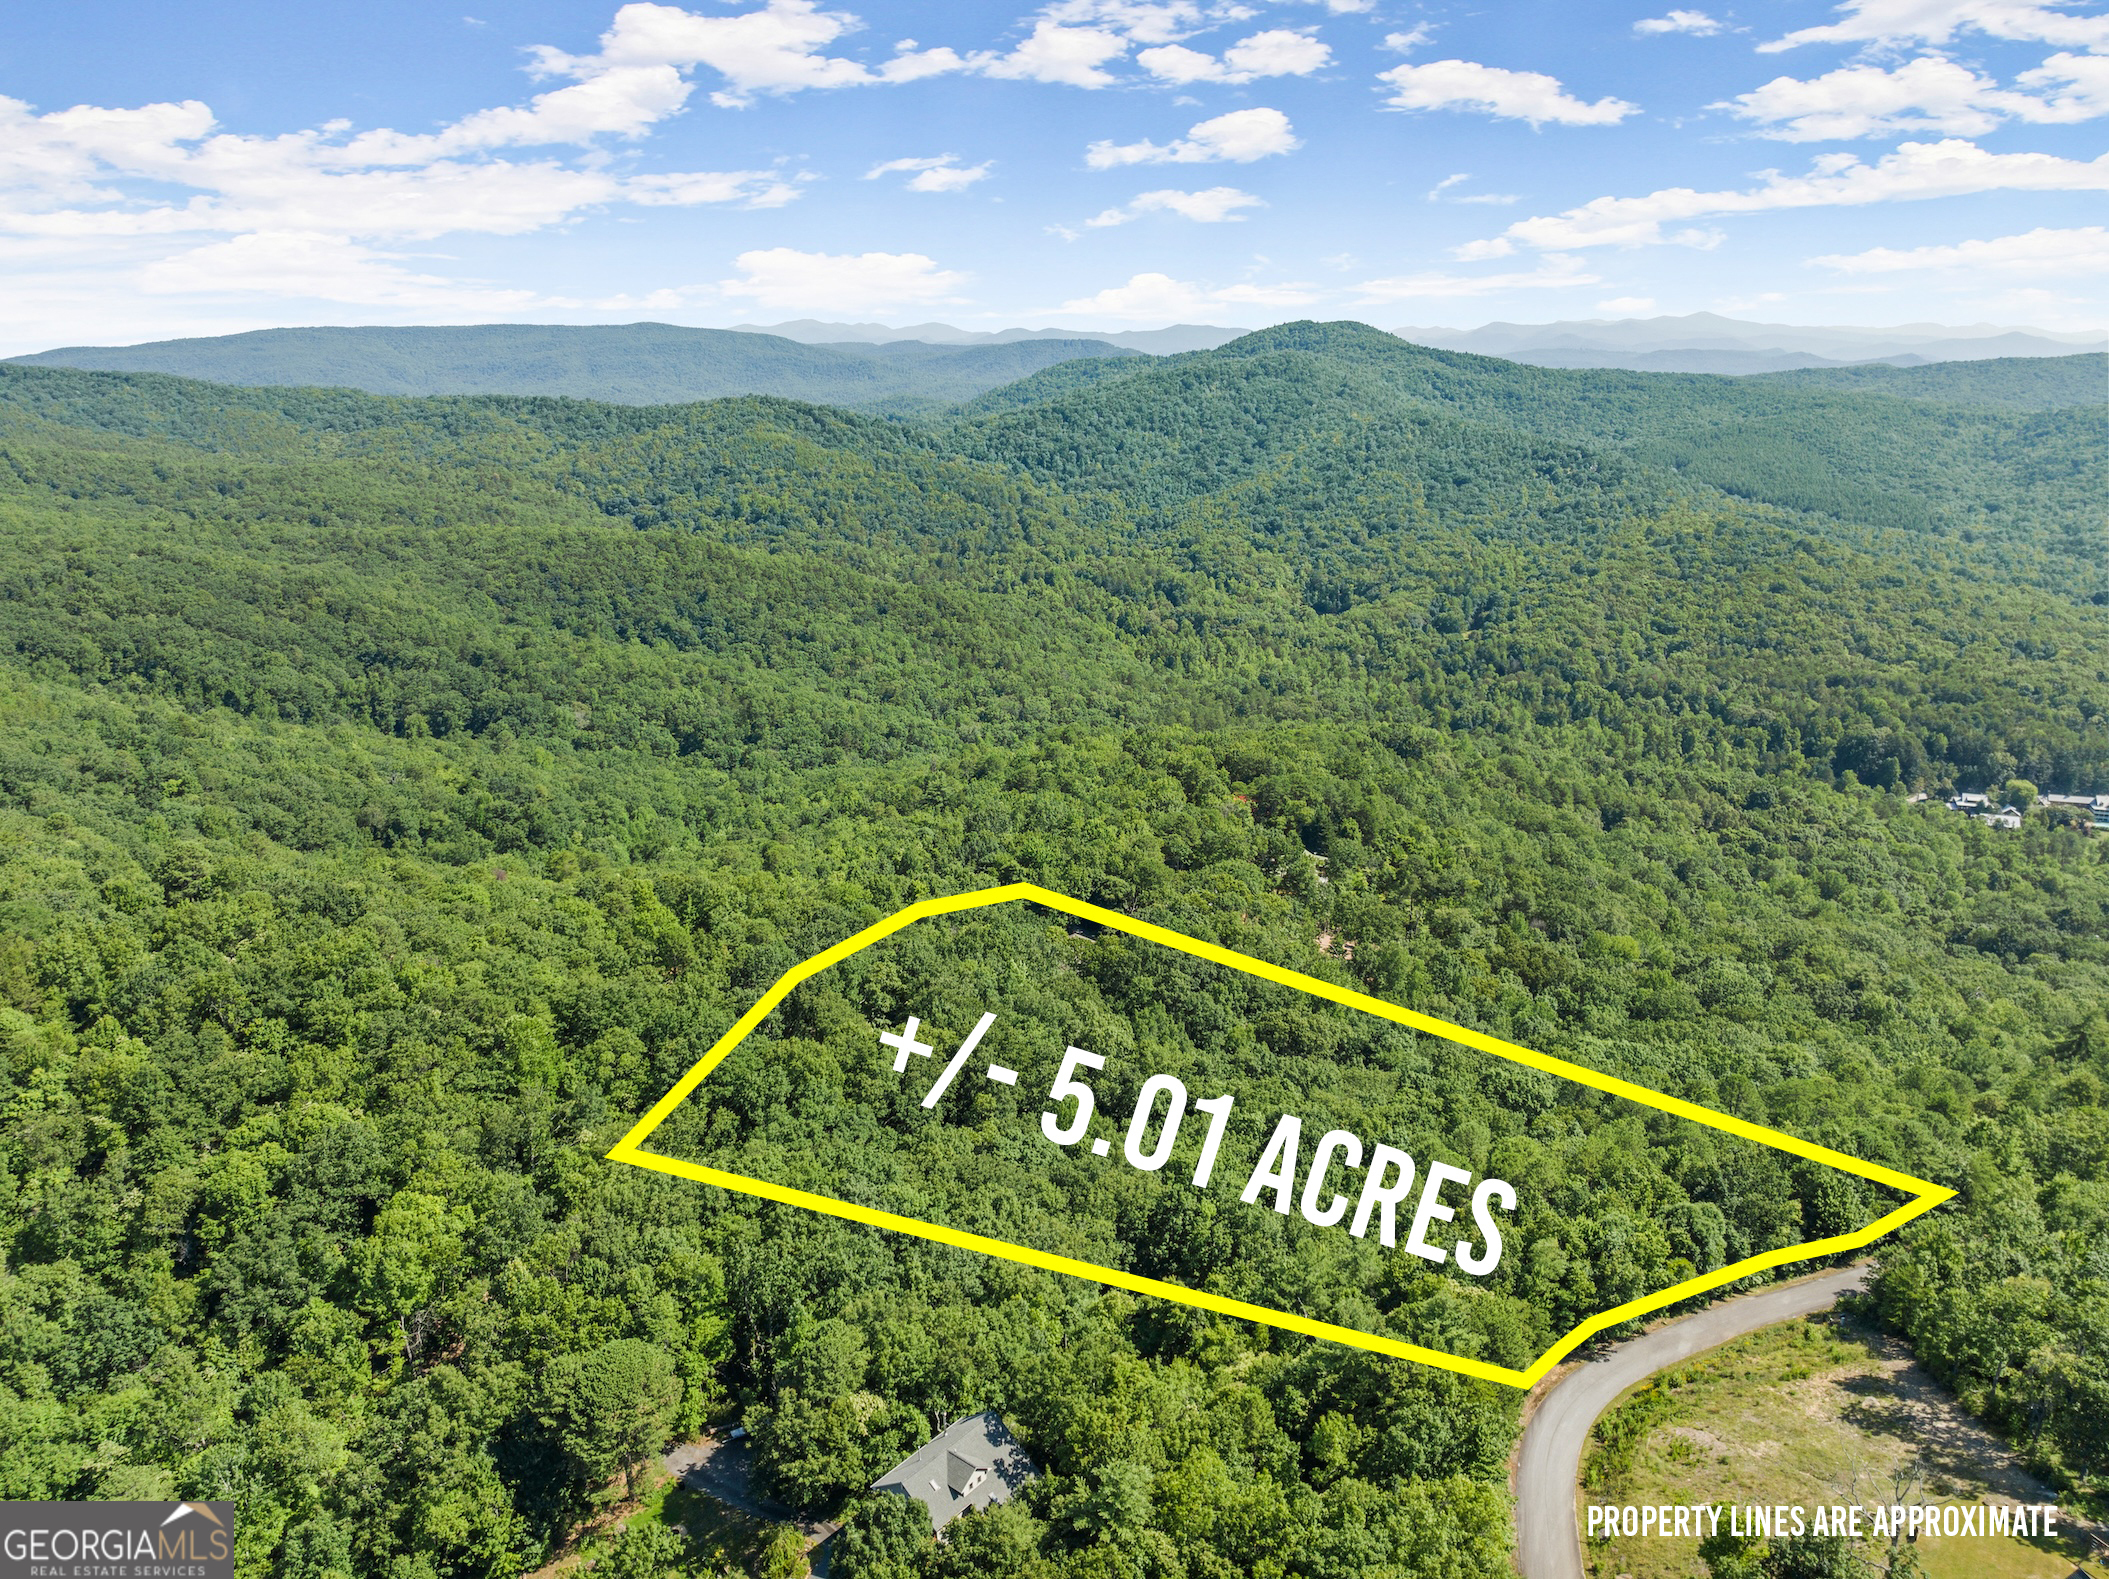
{"x": 785, "y": 279}
{"x": 778, "y": 49}
{"x": 2036, "y": 253}
{"x": 1929, "y": 94}
{"x": 1159, "y": 296}
{"x": 1696, "y": 23}
{"x": 1279, "y": 52}
{"x": 1074, "y": 41}
{"x": 1895, "y": 22}
{"x": 1211, "y": 206}
{"x": 943, "y": 173}
{"x": 1627, "y": 306}
{"x": 1075, "y": 56}
{"x": 1489, "y": 90}
{"x": 783, "y": 47}
{"x": 2072, "y": 87}
{"x": 1240, "y": 137}
{"x": 1077, "y": 42}
{"x": 88, "y": 171}
{"x": 161, "y": 191}
{"x": 1949, "y": 168}
{"x": 1144, "y": 21}
{"x": 1554, "y": 271}
{"x": 622, "y": 102}
{"x": 327, "y": 212}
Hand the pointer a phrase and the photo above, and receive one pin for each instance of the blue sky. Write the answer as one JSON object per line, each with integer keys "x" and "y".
{"x": 1106, "y": 163}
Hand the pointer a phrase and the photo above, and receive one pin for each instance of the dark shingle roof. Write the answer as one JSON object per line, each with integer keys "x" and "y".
{"x": 974, "y": 1463}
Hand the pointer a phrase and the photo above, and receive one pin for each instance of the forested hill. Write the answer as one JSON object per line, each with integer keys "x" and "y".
{"x": 2020, "y": 382}
{"x": 1909, "y": 463}
{"x": 397, "y": 795}
{"x": 640, "y": 364}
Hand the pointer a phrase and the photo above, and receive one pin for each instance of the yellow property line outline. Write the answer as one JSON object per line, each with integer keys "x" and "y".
{"x": 1925, "y": 1195}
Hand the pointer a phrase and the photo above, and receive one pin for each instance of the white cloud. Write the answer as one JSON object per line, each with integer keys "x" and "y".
{"x": 623, "y": 101}
{"x": 1949, "y": 168}
{"x": 1627, "y": 306}
{"x": 2086, "y": 87}
{"x": 88, "y": 172}
{"x": 1075, "y": 56}
{"x": 1940, "y": 21}
{"x": 1143, "y": 21}
{"x": 168, "y": 203}
{"x": 106, "y": 171}
{"x": 1074, "y": 41}
{"x": 1489, "y": 90}
{"x": 1410, "y": 40}
{"x": 1696, "y": 23}
{"x": 1175, "y": 63}
{"x": 777, "y": 49}
{"x": 944, "y": 173}
{"x": 1494, "y": 199}
{"x": 1237, "y": 138}
{"x": 636, "y": 76}
{"x": 1929, "y": 94}
{"x": 1160, "y": 297}
{"x": 785, "y": 279}
{"x": 1554, "y": 271}
{"x": 748, "y": 188}
{"x": 2036, "y": 253}
{"x": 1211, "y": 206}
{"x": 1279, "y": 52}
{"x": 634, "y": 81}
{"x": 315, "y": 265}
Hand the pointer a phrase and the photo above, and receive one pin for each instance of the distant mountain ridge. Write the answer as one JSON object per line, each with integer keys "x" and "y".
{"x": 648, "y": 364}
{"x": 666, "y": 364}
{"x": 1711, "y": 343}
{"x": 1156, "y": 342}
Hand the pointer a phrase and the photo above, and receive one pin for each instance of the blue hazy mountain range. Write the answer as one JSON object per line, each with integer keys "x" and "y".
{"x": 1690, "y": 343}
{"x": 647, "y": 364}
{"x": 923, "y": 368}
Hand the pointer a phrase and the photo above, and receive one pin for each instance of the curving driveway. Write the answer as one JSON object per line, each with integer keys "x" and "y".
{"x": 1548, "y": 1544}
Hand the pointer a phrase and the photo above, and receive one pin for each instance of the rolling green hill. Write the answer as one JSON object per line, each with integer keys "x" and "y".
{"x": 637, "y": 364}
{"x": 2030, "y": 482}
{"x": 2022, "y": 383}
{"x": 397, "y": 794}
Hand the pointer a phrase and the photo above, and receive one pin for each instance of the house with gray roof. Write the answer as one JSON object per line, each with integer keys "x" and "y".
{"x": 973, "y": 1463}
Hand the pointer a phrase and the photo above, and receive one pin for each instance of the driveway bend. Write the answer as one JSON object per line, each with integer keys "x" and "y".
{"x": 1548, "y": 1545}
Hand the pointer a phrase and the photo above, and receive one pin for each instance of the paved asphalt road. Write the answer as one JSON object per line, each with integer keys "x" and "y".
{"x": 1547, "y": 1543}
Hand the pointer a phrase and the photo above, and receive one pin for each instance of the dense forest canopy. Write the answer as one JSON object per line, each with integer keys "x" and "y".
{"x": 2023, "y": 385}
{"x": 396, "y": 795}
